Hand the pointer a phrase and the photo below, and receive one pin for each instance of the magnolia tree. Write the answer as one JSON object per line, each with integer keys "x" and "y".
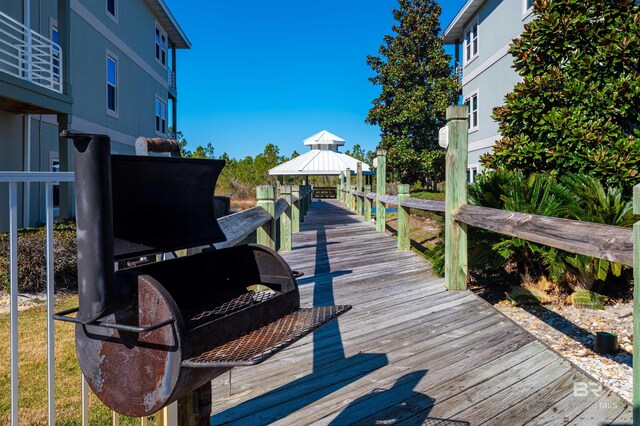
{"x": 417, "y": 85}
{"x": 577, "y": 108}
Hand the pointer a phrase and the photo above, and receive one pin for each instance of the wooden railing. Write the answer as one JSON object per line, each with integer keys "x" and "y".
{"x": 612, "y": 243}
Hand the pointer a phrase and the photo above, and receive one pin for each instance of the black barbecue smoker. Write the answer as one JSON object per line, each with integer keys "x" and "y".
{"x": 148, "y": 335}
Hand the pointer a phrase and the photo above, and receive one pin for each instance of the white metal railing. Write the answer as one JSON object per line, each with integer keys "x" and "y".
{"x": 171, "y": 79}
{"x": 49, "y": 179}
{"x": 166, "y": 417}
{"x": 29, "y": 55}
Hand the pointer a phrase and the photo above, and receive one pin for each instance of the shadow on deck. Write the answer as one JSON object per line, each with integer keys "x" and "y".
{"x": 409, "y": 351}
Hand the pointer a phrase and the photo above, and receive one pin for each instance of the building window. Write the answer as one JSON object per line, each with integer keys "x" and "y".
{"x": 112, "y": 84}
{"x": 472, "y": 103}
{"x": 471, "y": 42}
{"x": 527, "y": 7}
{"x": 161, "y": 116}
{"x": 161, "y": 46}
{"x": 112, "y": 9}
{"x": 472, "y": 173}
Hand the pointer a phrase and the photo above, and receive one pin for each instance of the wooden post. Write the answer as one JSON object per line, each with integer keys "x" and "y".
{"x": 266, "y": 234}
{"x": 195, "y": 408}
{"x": 307, "y": 199}
{"x": 341, "y": 187}
{"x": 302, "y": 191}
{"x": 404, "y": 239}
{"x": 381, "y": 181}
{"x": 367, "y": 204}
{"x": 295, "y": 209}
{"x": 285, "y": 219}
{"x": 359, "y": 200}
{"x": 455, "y": 197}
{"x": 347, "y": 187}
{"x": 636, "y": 308}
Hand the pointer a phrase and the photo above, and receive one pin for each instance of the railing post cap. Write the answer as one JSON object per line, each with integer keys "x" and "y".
{"x": 381, "y": 152}
{"x": 265, "y": 192}
{"x": 403, "y": 188}
{"x": 457, "y": 112}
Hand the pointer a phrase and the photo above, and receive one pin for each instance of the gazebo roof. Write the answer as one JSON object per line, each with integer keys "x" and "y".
{"x": 317, "y": 162}
{"x": 324, "y": 138}
{"x": 322, "y": 159}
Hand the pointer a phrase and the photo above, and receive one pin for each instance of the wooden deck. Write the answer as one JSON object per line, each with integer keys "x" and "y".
{"x": 409, "y": 351}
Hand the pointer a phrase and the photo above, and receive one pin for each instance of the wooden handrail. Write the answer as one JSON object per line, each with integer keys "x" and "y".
{"x": 389, "y": 199}
{"x": 413, "y": 203}
{"x": 281, "y": 206}
{"x": 239, "y": 226}
{"x": 424, "y": 205}
{"x": 613, "y": 243}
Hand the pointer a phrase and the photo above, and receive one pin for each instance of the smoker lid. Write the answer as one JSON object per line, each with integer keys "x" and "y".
{"x": 162, "y": 204}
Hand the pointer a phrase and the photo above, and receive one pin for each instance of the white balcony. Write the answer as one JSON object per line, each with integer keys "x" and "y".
{"x": 29, "y": 55}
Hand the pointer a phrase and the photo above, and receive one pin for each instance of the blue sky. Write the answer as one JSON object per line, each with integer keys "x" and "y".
{"x": 280, "y": 71}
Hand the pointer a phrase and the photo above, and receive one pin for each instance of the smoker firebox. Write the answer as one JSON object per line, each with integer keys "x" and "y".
{"x": 148, "y": 335}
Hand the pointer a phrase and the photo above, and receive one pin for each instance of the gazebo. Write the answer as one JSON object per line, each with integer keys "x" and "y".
{"x": 323, "y": 159}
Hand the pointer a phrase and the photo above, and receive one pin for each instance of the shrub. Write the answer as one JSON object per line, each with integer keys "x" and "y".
{"x": 574, "y": 196}
{"x": 577, "y": 108}
{"x": 32, "y": 259}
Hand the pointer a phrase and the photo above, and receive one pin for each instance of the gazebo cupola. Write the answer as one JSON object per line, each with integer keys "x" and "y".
{"x": 324, "y": 141}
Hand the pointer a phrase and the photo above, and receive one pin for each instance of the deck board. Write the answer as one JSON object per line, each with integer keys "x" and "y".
{"x": 409, "y": 352}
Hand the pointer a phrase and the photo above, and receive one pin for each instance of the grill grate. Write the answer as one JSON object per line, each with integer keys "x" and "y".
{"x": 230, "y": 306}
{"x": 258, "y": 345}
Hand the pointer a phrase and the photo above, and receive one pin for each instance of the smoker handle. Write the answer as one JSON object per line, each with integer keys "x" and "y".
{"x": 297, "y": 274}
{"x": 62, "y": 316}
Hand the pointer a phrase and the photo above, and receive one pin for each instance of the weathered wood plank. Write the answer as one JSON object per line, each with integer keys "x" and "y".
{"x": 381, "y": 183}
{"x": 370, "y": 365}
{"x": 534, "y": 405}
{"x": 416, "y": 407}
{"x": 279, "y": 403}
{"x": 281, "y": 207}
{"x": 608, "y": 242}
{"x": 492, "y": 406}
{"x": 604, "y": 411}
{"x": 455, "y": 242}
{"x": 425, "y": 205}
{"x": 238, "y": 226}
{"x": 389, "y": 200}
{"x": 266, "y": 234}
{"x": 564, "y": 410}
{"x": 404, "y": 240}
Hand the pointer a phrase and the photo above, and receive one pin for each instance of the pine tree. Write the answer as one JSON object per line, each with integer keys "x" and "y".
{"x": 417, "y": 85}
{"x": 577, "y": 108}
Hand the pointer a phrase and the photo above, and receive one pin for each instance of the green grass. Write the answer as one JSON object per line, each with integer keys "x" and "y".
{"x": 32, "y": 361}
{"x": 428, "y": 195}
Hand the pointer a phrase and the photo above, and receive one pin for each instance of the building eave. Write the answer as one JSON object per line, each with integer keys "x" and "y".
{"x": 164, "y": 16}
{"x": 455, "y": 30}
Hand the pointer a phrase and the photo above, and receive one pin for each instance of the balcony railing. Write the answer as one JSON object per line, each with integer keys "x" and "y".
{"x": 171, "y": 79}
{"x": 169, "y": 415}
{"x": 29, "y": 55}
